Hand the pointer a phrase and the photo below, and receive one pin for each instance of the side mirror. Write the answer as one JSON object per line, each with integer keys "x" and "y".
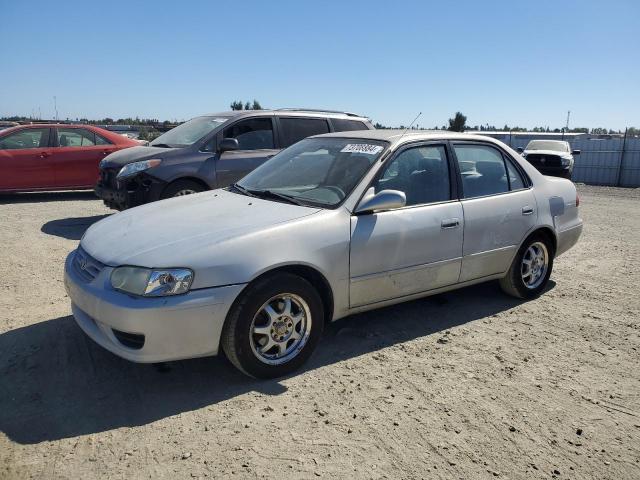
{"x": 384, "y": 200}
{"x": 575, "y": 152}
{"x": 228, "y": 144}
{"x": 520, "y": 149}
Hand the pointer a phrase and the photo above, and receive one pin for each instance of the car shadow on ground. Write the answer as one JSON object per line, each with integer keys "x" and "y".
{"x": 36, "y": 197}
{"x": 70, "y": 228}
{"x": 56, "y": 383}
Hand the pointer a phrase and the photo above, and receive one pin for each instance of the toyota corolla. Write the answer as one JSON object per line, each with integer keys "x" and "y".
{"x": 333, "y": 225}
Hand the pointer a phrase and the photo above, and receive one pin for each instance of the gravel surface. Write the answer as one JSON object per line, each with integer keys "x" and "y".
{"x": 469, "y": 384}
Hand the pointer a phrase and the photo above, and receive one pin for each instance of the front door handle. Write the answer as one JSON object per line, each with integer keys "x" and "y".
{"x": 450, "y": 223}
{"x": 527, "y": 210}
{"x": 44, "y": 154}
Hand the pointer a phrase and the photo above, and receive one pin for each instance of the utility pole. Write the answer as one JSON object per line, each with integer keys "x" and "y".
{"x": 568, "y": 115}
{"x": 55, "y": 106}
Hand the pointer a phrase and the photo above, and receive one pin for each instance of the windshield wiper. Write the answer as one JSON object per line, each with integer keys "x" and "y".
{"x": 161, "y": 145}
{"x": 266, "y": 193}
{"x": 243, "y": 190}
{"x": 281, "y": 196}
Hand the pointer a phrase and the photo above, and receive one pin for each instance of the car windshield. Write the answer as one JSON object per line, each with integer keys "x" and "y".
{"x": 547, "y": 145}
{"x": 316, "y": 171}
{"x": 189, "y": 132}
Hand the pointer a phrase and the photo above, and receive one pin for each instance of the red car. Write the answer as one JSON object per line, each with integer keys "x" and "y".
{"x": 54, "y": 157}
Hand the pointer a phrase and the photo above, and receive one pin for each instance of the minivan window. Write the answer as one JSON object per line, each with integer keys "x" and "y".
{"x": 295, "y": 129}
{"x": 189, "y": 132}
{"x": 342, "y": 125}
{"x": 252, "y": 134}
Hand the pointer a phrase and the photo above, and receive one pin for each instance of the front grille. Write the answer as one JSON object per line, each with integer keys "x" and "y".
{"x": 541, "y": 160}
{"x": 86, "y": 266}
{"x": 108, "y": 177}
{"x": 134, "y": 341}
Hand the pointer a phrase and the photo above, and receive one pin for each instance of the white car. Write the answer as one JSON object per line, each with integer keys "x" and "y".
{"x": 333, "y": 225}
{"x": 551, "y": 157}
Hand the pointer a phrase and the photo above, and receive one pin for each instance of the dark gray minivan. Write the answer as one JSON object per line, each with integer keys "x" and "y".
{"x": 210, "y": 151}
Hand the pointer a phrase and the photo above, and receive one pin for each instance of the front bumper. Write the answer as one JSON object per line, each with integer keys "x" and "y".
{"x": 171, "y": 328}
{"x": 136, "y": 191}
{"x": 564, "y": 171}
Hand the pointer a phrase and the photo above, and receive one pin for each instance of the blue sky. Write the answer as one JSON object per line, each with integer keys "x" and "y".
{"x": 519, "y": 63}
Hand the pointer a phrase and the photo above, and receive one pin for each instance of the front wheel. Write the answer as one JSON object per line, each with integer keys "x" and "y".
{"x": 274, "y": 326}
{"x": 180, "y": 188}
{"x": 530, "y": 270}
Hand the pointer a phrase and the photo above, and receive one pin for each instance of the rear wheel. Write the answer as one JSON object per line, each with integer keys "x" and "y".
{"x": 182, "y": 187}
{"x": 531, "y": 269}
{"x": 274, "y": 327}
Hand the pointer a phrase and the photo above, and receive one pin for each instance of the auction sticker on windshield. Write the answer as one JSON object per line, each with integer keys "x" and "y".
{"x": 365, "y": 148}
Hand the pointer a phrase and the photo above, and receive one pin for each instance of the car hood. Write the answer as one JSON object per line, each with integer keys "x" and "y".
{"x": 134, "y": 154}
{"x": 547, "y": 152}
{"x": 177, "y": 232}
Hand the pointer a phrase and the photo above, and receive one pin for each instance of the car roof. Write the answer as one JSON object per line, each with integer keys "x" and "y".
{"x": 289, "y": 112}
{"x": 398, "y": 137}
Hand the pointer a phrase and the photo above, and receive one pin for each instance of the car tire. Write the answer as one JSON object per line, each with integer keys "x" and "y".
{"x": 180, "y": 188}
{"x": 271, "y": 342}
{"x": 531, "y": 268}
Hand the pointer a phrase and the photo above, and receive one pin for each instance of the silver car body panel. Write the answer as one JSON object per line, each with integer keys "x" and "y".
{"x": 367, "y": 261}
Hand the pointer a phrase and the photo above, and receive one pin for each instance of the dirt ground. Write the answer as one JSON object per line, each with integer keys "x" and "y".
{"x": 470, "y": 384}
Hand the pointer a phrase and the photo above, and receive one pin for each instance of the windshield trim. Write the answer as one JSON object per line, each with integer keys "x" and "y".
{"x": 324, "y": 206}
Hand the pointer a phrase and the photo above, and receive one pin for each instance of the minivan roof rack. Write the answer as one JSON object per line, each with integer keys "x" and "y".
{"x": 318, "y": 110}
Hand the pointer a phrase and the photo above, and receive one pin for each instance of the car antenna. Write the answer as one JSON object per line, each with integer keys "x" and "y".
{"x": 410, "y": 125}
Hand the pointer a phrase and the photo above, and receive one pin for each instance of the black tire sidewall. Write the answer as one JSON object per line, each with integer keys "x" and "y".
{"x": 176, "y": 186}
{"x": 517, "y": 277}
{"x": 238, "y": 324}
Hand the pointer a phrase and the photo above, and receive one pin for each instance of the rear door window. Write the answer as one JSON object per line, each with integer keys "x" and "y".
{"x": 342, "y": 125}
{"x": 100, "y": 140}
{"x": 483, "y": 170}
{"x": 296, "y": 129}
{"x": 76, "y": 137}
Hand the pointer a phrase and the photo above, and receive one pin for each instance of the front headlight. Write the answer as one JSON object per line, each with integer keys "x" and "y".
{"x": 134, "y": 168}
{"x": 566, "y": 161}
{"x": 152, "y": 282}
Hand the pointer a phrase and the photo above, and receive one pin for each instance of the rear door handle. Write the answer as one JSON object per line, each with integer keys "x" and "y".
{"x": 450, "y": 223}
{"x": 527, "y": 210}
{"x": 44, "y": 154}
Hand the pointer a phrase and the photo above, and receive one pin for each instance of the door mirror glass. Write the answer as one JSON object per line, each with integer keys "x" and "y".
{"x": 576, "y": 152}
{"x": 228, "y": 144}
{"x": 384, "y": 200}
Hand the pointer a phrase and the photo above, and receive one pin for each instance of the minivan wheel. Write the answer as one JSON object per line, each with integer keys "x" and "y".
{"x": 182, "y": 187}
{"x": 274, "y": 326}
{"x": 531, "y": 268}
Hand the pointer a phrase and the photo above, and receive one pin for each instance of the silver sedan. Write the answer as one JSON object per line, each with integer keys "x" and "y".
{"x": 335, "y": 224}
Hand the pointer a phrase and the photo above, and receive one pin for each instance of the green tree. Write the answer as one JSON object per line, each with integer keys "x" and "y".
{"x": 458, "y": 123}
{"x": 236, "y": 105}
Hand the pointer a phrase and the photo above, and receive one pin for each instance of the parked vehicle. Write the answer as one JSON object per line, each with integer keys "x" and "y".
{"x": 5, "y": 124}
{"x": 551, "y": 157}
{"x": 333, "y": 225}
{"x": 211, "y": 151}
{"x": 54, "y": 157}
